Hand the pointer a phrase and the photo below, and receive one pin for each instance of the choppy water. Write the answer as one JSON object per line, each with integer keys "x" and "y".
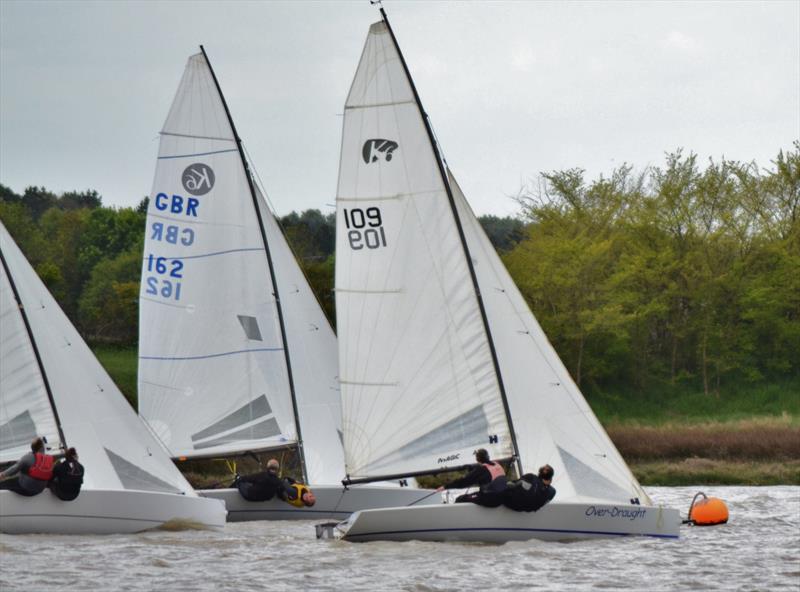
{"x": 759, "y": 549}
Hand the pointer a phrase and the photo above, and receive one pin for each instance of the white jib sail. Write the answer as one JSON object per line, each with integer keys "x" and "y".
{"x": 314, "y": 357}
{"x": 552, "y": 420}
{"x": 212, "y": 368}
{"x": 117, "y": 449}
{"x": 419, "y": 390}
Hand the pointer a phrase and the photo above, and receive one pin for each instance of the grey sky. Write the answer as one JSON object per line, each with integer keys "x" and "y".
{"x": 512, "y": 88}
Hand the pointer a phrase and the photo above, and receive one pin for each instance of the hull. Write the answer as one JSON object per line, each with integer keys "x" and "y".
{"x": 468, "y": 522}
{"x": 333, "y": 502}
{"x": 102, "y": 511}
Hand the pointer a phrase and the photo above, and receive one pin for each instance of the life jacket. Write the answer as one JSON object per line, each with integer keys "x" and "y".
{"x": 498, "y": 475}
{"x": 42, "y": 468}
{"x": 296, "y": 493}
{"x": 496, "y": 470}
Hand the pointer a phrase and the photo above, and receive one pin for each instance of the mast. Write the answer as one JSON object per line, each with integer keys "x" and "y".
{"x": 269, "y": 263}
{"x": 39, "y": 362}
{"x": 467, "y": 254}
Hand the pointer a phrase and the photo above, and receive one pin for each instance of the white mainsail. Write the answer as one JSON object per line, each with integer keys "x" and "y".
{"x": 117, "y": 449}
{"x": 214, "y": 377}
{"x": 419, "y": 385}
{"x": 419, "y": 391}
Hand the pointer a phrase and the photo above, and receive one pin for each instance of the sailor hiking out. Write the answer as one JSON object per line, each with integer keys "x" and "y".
{"x": 530, "y": 492}
{"x": 488, "y": 475}
{"x": 30, "y": 474}
{"x": 67, "y": 477}
{"x": 263, "y": 486}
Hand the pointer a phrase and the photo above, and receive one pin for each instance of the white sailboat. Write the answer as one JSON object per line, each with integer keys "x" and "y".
{"x": 235, "y": 353}
{"x": 51, "y": 385}
{"x": 439, "y": 352}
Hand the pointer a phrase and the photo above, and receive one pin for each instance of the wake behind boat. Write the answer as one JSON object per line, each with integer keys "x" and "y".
{"x": 235, "y": 353}
{"x": 53, "y": 386}
{"x": 440, "y": 354}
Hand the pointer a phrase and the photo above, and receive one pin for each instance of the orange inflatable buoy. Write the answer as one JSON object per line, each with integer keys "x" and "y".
{"x": 708, "y": 512}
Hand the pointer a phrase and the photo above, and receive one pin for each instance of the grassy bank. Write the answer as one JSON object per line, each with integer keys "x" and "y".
{"x": 681, "y": 437}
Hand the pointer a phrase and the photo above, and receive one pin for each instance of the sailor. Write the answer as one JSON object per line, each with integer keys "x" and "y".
{"x": 298, "y": 494}
{"x": 263, "y": 486}
{"x": 67, "y": 477}
{"x": 530, "y": 492}
{"x": 490, "y": 476}
{"x": 30, "y": 474}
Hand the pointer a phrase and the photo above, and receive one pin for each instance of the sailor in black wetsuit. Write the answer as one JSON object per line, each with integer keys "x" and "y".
{"x": 263, "y": 486}
{"x": 490, "y": 476}
{"x": 67, "y": 477}
{"x": 530, "y": 492}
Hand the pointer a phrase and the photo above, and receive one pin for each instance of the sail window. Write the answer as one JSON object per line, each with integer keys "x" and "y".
{"x": 265, "y": 429}
{"x": 253, "y": 410}
{"x": 133, "y": 477}
{"x": 468, "y": 429}
{"x": 588, "y": 482}
{"x": 18, "y": 431}
{"x": 250, "y": 326}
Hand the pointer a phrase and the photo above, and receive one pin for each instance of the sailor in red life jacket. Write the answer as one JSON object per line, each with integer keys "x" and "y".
{"x": 490, "y": 476}
{"x": 30, "y": 474}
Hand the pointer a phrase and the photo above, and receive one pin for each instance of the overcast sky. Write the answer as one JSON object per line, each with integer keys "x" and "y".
{"x": 512, "y": 88}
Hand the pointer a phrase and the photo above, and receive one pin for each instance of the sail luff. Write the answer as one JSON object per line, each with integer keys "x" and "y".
{"x": 276, "y": 294}
{"x": 473, "y": 277}
{"x": 37, "y": 354}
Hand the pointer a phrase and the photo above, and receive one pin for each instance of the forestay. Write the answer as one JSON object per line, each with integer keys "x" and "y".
{"x": 419, "y": 391}
{"x": 213, "y": 367}
{"x": 554, "y": 423}
{"x": 115, "y": 446}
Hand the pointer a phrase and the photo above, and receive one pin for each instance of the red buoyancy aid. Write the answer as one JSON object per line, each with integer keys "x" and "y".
{"x": 496, "y": 470}
{"x": 42, "y": 469}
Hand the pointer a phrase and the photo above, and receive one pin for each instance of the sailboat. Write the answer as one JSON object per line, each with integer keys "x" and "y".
{"x": 51, "y": 385}
{"x": 439, "y": 352}
{"x": 235, "y": 353}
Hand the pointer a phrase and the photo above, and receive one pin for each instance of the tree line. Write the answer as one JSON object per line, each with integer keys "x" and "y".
{"x": 679, "y": 274}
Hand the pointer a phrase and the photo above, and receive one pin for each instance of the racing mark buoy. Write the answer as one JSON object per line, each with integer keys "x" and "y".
{"x": 707, "y": 511}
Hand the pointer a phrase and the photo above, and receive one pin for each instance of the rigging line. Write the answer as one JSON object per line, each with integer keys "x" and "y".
{"x": 281, "y": 323}
{"x": 467, "y": 255}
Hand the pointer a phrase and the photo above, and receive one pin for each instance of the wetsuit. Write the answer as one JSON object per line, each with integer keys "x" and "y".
{"x": 528, "y": 494}
{"x": 20, "y": 482}
{"x": 67, "y": 480}
{"x": 261, "y": 487}
{"x": 491, "y": 479}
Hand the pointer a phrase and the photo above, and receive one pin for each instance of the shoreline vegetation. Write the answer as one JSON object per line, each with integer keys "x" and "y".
{"x": 729, "y": 446}
{"x": 671, "y": 294}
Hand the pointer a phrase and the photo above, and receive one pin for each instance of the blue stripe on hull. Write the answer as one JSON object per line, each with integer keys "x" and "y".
{"x": 595, "y": 532}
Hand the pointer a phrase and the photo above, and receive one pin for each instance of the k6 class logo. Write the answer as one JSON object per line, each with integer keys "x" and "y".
{"x": 378, "y": 148}
{"x": 198, "y": 178}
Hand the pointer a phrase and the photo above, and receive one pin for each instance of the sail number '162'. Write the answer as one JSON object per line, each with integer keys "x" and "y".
{"x": 168, "y": 286}
{"x": 356, "y": 220}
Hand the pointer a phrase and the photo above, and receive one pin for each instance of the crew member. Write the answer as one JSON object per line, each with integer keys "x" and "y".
{"x": 530, "y": 492}
{"x": 67, "y": 477}
{"x": 488, "y": 475}
{"x": 298, "y": 494}
{"x": 262, "y": 486}
{"x": 30, "y": 474}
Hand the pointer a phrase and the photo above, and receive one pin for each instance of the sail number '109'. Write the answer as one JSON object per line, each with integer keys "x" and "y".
{"x": 356, "y": 220}
{"x": 168, "y": 286}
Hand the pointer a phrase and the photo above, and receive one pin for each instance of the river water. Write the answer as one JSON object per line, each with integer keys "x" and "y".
{"x": 759, "y": 549}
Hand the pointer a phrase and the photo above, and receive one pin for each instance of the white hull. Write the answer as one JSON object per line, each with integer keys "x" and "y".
{"x": 333, "y": 502}
{"x": 103, "y": 511}
{"x": 468, "y": 522}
